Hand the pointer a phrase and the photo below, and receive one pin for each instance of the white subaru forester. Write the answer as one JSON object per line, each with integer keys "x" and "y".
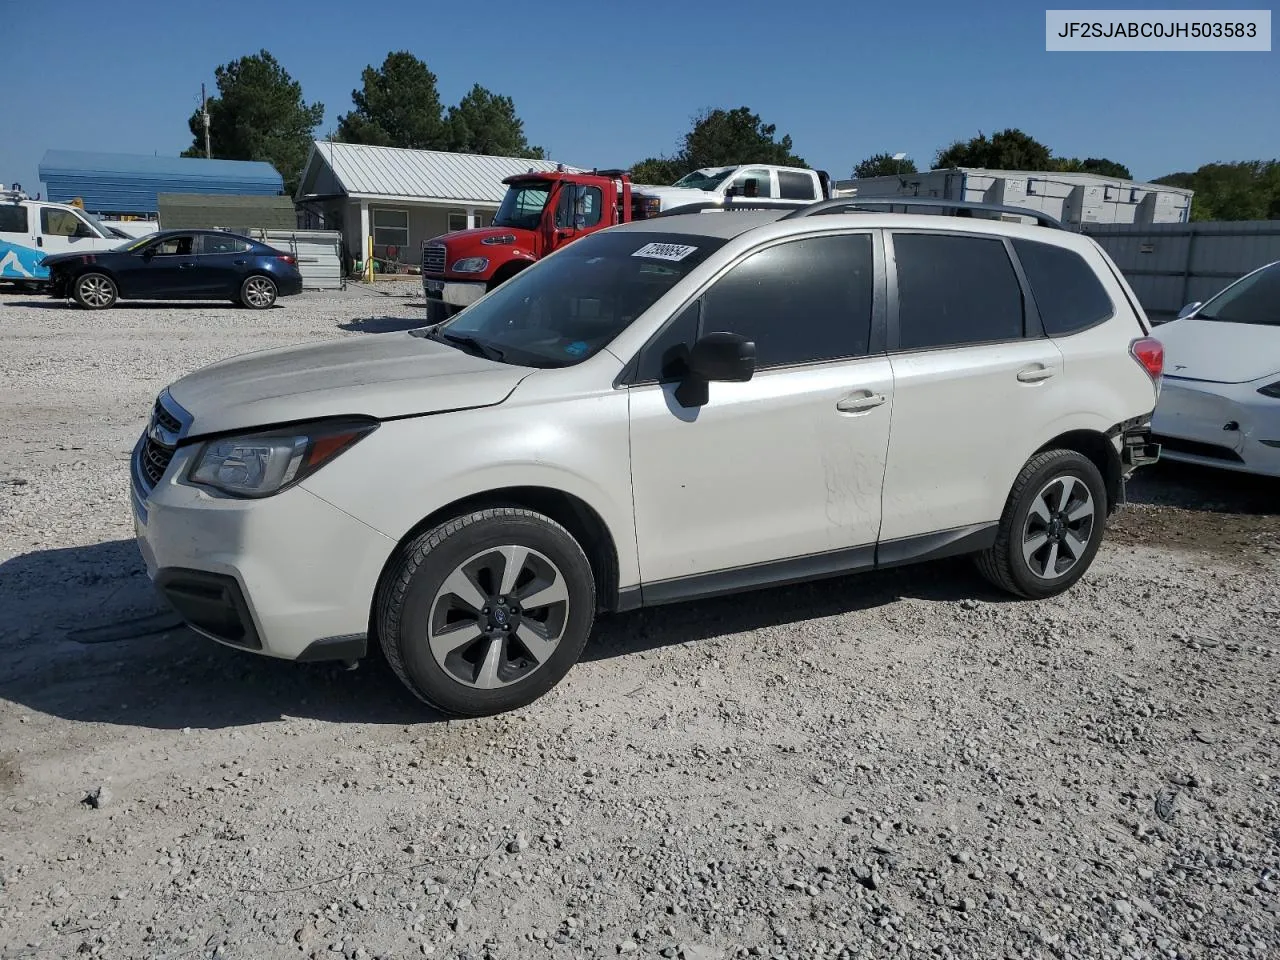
{"x": 676, "y": 408}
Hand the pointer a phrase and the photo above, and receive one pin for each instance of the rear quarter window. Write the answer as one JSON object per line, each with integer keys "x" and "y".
{"x": 1067, "y": 292}
{"x": 13, "y": 218}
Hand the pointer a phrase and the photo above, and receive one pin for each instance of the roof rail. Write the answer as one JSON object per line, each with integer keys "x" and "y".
{"x": 961, "y": 206}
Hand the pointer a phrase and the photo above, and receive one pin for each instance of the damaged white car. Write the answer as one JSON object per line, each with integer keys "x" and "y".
{"x": 1220, "y": 403}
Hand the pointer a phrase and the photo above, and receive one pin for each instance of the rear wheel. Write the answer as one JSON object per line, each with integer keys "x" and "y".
{"x": 487, "y": 612}
{"x": 258, "y": 292}
{"x": 1051, "y": 528}
{"x": 94, "y": 291}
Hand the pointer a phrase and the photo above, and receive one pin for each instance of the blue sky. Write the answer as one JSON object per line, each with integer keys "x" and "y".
{"x": 604, "y": 88}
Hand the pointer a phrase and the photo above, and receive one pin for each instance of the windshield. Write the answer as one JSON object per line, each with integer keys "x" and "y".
{"x": 567, "y": 307}
{"x": 708, "y": 178}
{"x": 98, "y": 225}
{"x": 1255, "y": 299}
{"x": 134, "y": 244}
{"x": 522, "y": 206}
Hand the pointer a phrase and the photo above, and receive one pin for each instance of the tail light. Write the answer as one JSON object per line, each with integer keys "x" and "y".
{"x": 1149, "y": 352}
{"x": 287, "y": 259}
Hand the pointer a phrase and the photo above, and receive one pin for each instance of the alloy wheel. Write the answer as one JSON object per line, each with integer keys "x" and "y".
{"x": 1059, "y": 527}
{"x": 259, "y": 291}
{"x": 96, "y": 291}
{"x": 498, "y": 617}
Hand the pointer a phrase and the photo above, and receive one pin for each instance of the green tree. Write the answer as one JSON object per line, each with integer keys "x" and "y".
{"x": 1009, "y": 149}
{"x": 396, "y": 106}
{"x": 1094, "y": 165}
{"x": 656, "y": 171}
{"x": 486, "y": 123}
{"x": 721, "y": 138}
{"x": 1246, "y": 190}
{"x": 258, "y": 114}
{"x": 883, "y": 165}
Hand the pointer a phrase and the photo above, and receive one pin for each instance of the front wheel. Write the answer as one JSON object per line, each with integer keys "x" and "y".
{"x": 487, "y": 612}
{"x": 94, "y": 291}
{"x": 258, "y": 293}
{"x": 1051, "y": 527}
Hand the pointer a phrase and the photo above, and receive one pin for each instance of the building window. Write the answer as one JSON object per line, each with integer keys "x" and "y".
{"x": 390, "y": 228}
{"x": 458, "y": 220}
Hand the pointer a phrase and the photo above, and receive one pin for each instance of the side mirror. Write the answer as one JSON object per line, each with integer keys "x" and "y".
{"x": 1189, "y": 309}
{"x": 716, "y": 358}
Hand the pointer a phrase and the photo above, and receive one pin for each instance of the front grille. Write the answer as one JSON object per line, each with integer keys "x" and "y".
{"x": 1195, "y": 448}
{"x": 433, "y": 258}
{"x": 154, "y": 461}
{"x": 166, "y": 420}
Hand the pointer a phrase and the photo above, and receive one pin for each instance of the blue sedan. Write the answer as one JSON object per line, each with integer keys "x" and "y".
{"x": 176, "y": 265}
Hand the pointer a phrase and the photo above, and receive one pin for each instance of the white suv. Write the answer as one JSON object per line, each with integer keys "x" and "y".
{"x": 681, "y": 407}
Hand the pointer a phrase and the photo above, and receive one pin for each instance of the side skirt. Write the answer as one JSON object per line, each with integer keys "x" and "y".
{"x": 818, "y": 566}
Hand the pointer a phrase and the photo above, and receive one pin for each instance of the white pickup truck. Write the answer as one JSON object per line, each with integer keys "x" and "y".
{"x": 754, "y": 180}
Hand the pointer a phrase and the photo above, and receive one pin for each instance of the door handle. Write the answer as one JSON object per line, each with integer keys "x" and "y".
{"x": 239, "y": 263}
{"x": 1034, "y": 374}
{"x": 184, "y": 266}
{"x": 860, "y": 402}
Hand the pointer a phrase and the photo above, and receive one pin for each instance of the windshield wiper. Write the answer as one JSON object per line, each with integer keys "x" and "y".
{"x": 469, "y": 343}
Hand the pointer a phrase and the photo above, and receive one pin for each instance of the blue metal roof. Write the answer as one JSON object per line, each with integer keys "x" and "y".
{"x": 129, "y": 183}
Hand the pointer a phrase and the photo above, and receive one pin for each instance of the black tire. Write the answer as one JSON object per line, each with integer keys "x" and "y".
{"x": 408, "y": 608}
{"x": 1006, "y": 564}
{"x": 258, "y": 292}
{"x": 437, "y": 312}
{"x": 94, "y": 291}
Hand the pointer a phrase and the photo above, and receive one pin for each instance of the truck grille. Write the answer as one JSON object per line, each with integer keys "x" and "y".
{"x": 433, "y": 257}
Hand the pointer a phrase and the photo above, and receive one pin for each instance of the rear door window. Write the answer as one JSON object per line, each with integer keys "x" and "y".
{"x": 214, "y": 244}
{"x": 794, "y": 185}
{"x": 13, "y": 218}
{"x": 955, "y": 290}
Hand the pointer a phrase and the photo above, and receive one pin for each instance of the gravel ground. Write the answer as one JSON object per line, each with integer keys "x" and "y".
{"x": 900, "y": 764}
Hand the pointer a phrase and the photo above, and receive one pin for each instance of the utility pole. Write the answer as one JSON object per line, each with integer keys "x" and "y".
{"x": 204, "y": 115}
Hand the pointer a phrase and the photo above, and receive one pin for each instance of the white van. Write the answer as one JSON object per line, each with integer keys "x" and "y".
{"x": 31, "y": 230}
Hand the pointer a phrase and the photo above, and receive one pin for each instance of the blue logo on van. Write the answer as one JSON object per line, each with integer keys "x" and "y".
{"x": 21, "y": 263}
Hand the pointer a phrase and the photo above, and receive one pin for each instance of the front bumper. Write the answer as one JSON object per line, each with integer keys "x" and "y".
{"x": 453, "y": 292}
{"x": 1225, "y": 425}
{"x": 287, "y": 576}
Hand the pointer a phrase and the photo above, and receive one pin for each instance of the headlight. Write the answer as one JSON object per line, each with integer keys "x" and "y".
{"x": 471, "y": 265}
{"x": 260, "y": 464}
{"x": 1271, "y": 390}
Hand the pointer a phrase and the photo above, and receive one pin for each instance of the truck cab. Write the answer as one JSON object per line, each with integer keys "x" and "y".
{"x": 31, "y": 230}
{"x": 748, "y": 180}
{"x": 540, "y": 213}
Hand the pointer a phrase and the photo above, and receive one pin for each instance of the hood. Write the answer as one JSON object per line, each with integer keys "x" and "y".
{"x": 1219, "y": 352}
{"x": 477, "y": 235}
{"x": 673, "y": 197}
{"x": 78, "y": 256}
{"x": 381, "y": 375}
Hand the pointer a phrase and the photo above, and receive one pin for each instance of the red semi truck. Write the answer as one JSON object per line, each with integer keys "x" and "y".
{"x": 543, "y": 211}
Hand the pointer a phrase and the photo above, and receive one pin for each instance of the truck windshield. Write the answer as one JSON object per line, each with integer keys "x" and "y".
{"x": 708, "y": 178}
{"x": 522, "y": 206}
{"x": 567, "y": 307}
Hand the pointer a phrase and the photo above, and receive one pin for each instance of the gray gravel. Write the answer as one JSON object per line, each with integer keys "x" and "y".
{"x": 900, "y": 764}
